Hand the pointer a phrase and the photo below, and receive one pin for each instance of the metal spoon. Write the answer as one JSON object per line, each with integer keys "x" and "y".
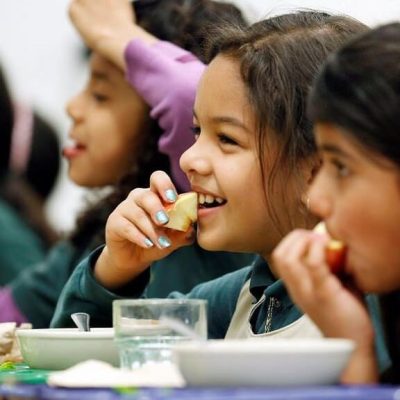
{"x": 81, "y": 320}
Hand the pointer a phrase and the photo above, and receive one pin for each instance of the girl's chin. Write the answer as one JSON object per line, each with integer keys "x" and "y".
{"x": 87, "y": 180}
{"x": 377, "y": 287}
{"x": 212, "y": 244}
{"x": 369, "y": 283}
{"x": 208, "y": 243}
{"x": 204, "y": 244}
{"x": 81, "y": 181}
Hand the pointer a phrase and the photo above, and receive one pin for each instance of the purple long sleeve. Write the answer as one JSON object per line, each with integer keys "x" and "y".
{"x": 9, "y": 310}
{"x": 167, "y": 76}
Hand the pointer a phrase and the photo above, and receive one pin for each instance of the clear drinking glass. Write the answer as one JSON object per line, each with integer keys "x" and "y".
{"x": 140, "y": 335}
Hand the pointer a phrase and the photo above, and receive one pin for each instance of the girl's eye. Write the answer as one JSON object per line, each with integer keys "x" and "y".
{"x": 196, "y": 131}
{"x": 226, "y": 139}
{"x": 341, "y": 169}
{"x": 100, "y": 98}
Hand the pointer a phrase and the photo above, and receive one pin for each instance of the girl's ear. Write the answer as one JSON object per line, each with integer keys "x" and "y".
{"x": 311, "y": 171}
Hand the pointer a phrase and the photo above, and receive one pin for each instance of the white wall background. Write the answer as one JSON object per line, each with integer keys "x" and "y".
{"x": 41, "y": 55}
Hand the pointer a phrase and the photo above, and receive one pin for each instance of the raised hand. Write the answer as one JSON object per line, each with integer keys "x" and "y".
{"x": 336, "y": 306}
{"x": 106, "y": 26}
{"x": 300, "y": 261}
{"x": 135, "y": 233}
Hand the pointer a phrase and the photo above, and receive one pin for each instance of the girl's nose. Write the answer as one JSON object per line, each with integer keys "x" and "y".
{"x": 319, "y": 200}
{"x": 74, "y": 107}
{"x": 194, "y": 160}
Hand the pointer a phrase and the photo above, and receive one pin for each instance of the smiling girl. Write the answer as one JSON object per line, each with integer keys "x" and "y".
{"x": 251, "y": 165}
{"x": 354, "y": 105}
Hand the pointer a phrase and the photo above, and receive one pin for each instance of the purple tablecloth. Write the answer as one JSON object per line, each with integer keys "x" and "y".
{"x": 301, "y": 393}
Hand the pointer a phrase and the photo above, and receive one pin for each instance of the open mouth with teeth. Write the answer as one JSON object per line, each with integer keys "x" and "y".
{"x": 208, "y": 201}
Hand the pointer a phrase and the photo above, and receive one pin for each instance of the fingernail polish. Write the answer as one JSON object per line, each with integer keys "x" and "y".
{"x": 170, "y": 194}
{"x": 164, "y": 242}
{"x": 162, "y": 217}
{"x": 148, "y": 243}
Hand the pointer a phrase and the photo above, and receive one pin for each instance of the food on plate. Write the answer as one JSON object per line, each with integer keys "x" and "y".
{"x": 7, "y": 366}
{"x": 9, "y": 346}
{"x": 183, "y": 213}
{"x": 335, "y": 251}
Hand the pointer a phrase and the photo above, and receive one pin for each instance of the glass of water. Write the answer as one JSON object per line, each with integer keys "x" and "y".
{"x": 141, "y": 335}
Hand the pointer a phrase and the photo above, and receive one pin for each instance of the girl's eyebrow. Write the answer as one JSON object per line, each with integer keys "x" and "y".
{"x": 227, "y": 120}
{"x": 100, "y": 75}
{"x": 333, "y": 149}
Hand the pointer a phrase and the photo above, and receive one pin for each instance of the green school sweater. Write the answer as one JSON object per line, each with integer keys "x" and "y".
{"x": 36, "y": 291}
{"x": 20, "y": 246}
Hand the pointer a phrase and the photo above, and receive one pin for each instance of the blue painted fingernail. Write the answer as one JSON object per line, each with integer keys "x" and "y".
{"x": 148, "y": 243}
{"x": 171, "y": 196}
{"x": 164, "y": 242}
{"x": 162, "y": 217}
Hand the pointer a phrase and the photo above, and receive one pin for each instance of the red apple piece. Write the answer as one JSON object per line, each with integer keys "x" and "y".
{"x": 183, "y": 213}
{"x": 335, "y": 251}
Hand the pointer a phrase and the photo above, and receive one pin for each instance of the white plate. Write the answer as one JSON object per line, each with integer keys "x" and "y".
{"x": 263, "y": 362}
{"x": 57, "y": 349}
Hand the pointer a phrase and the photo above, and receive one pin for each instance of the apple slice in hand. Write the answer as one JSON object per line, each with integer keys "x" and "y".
{"x": 335, "y": 251}
{"x": 183, "y": 213}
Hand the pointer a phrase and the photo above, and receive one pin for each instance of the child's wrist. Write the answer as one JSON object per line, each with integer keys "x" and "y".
{"x": 362, "y": 367}
{"x": 113, "y": 45}
{"x": 365, "y": 339}
{"x": 110, "y": 275}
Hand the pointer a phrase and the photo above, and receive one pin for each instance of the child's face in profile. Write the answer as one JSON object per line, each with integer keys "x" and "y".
{"x": 108, "y": 118}
{"x": 223, "y": 167}
{"x": 358, "y": 195}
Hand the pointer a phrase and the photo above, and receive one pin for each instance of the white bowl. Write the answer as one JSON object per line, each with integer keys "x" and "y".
{"x": 263, "y": 362}
{"x": 56, "y": 349}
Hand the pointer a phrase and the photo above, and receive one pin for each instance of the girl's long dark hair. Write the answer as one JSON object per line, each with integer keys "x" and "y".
{"x": 359, "y": 90}
{"x": 185, "y": 23}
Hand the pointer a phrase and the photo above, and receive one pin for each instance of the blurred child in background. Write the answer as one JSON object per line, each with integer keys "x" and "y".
{"x": 29, "y": 166}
